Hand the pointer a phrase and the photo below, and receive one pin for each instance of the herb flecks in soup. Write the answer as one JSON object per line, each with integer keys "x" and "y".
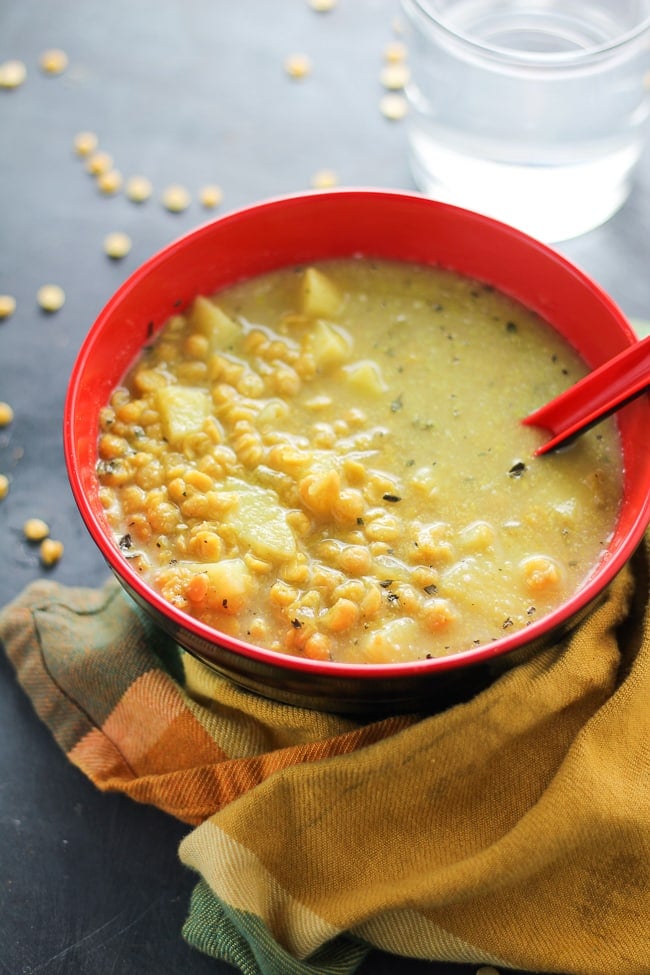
{"x": 329, "y": 461}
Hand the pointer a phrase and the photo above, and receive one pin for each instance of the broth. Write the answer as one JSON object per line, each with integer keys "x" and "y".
{"x": 329, "y": 461}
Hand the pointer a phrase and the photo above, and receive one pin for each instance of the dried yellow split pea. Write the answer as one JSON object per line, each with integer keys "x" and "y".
{"x": 35, "y": 529}
{"x": 51, "y": 551}
{"x": 211, "y": 196}
{"x": 12, "y": 74}
{"x": 85, "y": 143}
{"x": 395, "y": 52}
{"x": 110, "y": 182}
{"x": 117, "y": 245}
{"x": 322, "y": 6}
{"x": 297, "y": 66}
{"x": 175, "y": 198}
{"x": 53, "y": 61}
{"x": 4, "y": 486}
{"x": 7, "y": 306}
{"x": 324, "y": 179}
{"x": 393, "y": 106}
{"x": 138, "y": 189}
{"x": 99, "y": 162}
{"x": 50, "y": 297}
{"x": 6, "y": 414}
{"x": 395, "y": 76}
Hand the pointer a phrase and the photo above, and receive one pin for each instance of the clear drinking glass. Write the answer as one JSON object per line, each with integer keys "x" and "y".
{"x": 532, "y": 111}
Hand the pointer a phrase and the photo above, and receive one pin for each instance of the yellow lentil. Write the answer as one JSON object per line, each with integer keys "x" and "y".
{"x": 12, "y": 74}
{"x": 112, "y": 446}
{"x": 4, "y": 486}
{"x": 324, "y": 179}
{"x": 35, "y": 529}
{"x": 175, "y": 198}
{"x": 297, "y": 66}
{"x": 540, "y": 573}
{"x": 110, "y": 182}
{"x": 117, "y": 245}
{"x": 395, "y": 52}
{"x": 210, "y": 196}
{"x": 138, "y": 189}
{"x": 99, "y": 162}
{"x": 317, "y": 647}
{"x": 85, "y": 143}
{"x": 51, "y": 297}
{"x": 322, "y": 6}
{"x": 393, "y": 106}
{"x": 7, "y": 306}
{"x": 394, "y": 75}
{"x": 6, "y": 414}
{"x": 342, "y": 616}
{"x": 53, "y": 61}
{"x": 50, "y": 551}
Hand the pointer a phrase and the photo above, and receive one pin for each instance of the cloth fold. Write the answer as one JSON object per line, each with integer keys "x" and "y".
{"x": 512, "y": 830}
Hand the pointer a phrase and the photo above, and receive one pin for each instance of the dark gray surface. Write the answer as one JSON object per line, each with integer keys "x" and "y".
{"x": 188, "y": 91}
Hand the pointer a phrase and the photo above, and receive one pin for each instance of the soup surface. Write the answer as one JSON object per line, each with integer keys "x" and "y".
{"x": 329, "y": 461}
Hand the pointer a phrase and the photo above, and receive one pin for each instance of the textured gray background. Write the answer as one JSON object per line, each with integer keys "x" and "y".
{"x": 194, "y": 92}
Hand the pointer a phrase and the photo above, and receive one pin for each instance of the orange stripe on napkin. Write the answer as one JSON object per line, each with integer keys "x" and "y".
{"x": 196, "y": 790}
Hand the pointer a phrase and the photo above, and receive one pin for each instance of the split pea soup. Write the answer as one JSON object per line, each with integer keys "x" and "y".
{"x": 329, "y": 461}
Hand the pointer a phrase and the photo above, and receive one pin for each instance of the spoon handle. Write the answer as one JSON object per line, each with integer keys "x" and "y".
{"x": 600, "y": 393}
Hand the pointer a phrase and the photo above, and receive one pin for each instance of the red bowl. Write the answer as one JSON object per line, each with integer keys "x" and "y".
{"x": 309, "y": 227}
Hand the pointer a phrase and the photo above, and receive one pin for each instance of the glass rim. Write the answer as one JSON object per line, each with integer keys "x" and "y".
{"x": 533, "y": 59}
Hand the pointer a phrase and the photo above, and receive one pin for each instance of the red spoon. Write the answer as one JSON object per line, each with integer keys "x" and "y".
{"x": 599, "y": 394}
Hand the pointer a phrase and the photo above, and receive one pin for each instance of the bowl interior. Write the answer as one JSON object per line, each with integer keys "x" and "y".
{"x": 378, "y": 224}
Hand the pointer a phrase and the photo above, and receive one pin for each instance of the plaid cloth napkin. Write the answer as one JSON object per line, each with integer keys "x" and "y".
{"x": 512, "y": 830}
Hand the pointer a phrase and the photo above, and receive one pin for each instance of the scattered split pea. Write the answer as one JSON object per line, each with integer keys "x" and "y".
{"x": 297, "y": 66}
{"x": 394, "y": 76}
{"x": 175, "y": 198}
{"x": 324, "y": 179}
{"x": 211, "y": 196}
{"x": 98, "y": 163}
{"x": 7, "y": 306}
{"x": 54, "y": 61}
{"x": 35, "y": 529}
{"x": 12, "y": 74}
{"x": 117, "y": 245}
{"x": 85, "y": 143}
{"x": 109, "y": 182}
{"x": 138, "y": 189}
{"x": 50, "y": 551}
{"x": 50, "y": 297}
{"x": 395, "y": 52}
{"x": 393, "y": 106}
{"x": 6, "y": 414}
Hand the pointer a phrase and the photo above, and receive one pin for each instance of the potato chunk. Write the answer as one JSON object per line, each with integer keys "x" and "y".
{"x": 390, "y": 642}
{"x": 208, "y": 319}
{"x": 260, "y": 522}
{"x": 319, "y": 296}
{"x": 182, "y": 410}
{"x": 329, "y": 345}
{"x": 366, "y": 377}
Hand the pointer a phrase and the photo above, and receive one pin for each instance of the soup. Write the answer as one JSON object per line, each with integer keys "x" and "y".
{"x": 329, "y": 461}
